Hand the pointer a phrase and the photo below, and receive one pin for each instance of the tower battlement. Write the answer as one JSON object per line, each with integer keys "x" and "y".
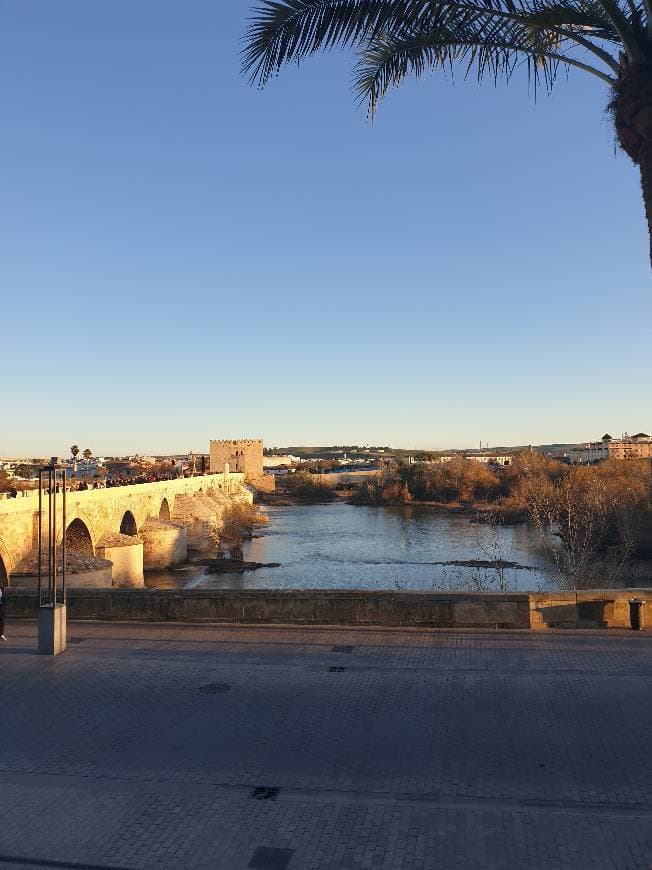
{"x": 240, "y": 443}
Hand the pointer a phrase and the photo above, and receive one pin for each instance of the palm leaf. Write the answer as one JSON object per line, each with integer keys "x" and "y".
{"x": 388, "y": 64}
{"x": 397, "y": 38}
{"x": 589, "y": 17}
{"x": 281, "y": 31}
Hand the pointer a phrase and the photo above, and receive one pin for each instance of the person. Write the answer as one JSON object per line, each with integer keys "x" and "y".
{"x": 3, "y": 605}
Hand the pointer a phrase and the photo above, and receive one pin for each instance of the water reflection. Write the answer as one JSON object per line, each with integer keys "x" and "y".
{"x": 343, "y": 546}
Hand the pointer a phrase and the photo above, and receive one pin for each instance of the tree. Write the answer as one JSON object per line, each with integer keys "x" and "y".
{"x": 74, "y": 450}
{"x": 87, "y": 454}
{"x": 311, "y": 487}
{"x": 394, "y": 39}
{"x": 594, "y": 516}
{"x": 238, "y": 521}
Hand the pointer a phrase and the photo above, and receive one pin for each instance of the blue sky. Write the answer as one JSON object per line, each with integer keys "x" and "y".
{"x": 184, "y": 257}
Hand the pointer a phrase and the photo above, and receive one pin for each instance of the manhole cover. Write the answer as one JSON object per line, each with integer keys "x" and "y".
{"x": 264, "y": 793}
{"x": 214, "y": 689}
{"x": 336, "y": 669}
{"x": 268, "y": 858}
{"x": 342, "y": 649}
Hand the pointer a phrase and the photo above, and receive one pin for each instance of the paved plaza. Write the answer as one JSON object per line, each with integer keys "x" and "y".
{"x": 270, "y": 747}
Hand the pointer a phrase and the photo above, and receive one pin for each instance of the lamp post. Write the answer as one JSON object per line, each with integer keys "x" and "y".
{"x": 51, "y": 596}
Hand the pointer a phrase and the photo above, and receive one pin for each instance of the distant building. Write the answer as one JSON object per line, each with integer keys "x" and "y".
{"x": 490, "y": 458}
{"x": 637, "y": 446}
{"x": 280, "y": 461}
{"x": 485, "y": 458}
{"x": 82, "y": 468}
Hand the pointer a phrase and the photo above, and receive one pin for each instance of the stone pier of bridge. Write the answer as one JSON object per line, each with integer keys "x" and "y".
{"x": 114, "y": 534}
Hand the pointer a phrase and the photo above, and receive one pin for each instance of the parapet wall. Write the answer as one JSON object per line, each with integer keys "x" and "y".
{"x": 593, "y": 609}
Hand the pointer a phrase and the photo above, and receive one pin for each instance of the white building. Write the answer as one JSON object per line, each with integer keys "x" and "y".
{"x": 280, "y": 461}
{"x": 637, "y": 446}
{"x": 485, "y": 458}
{"x": 91, "y": 467}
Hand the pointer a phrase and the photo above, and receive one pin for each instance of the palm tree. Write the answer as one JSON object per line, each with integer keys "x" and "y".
{"x": 87, "y": 454}
{"x": 394, "y": 39}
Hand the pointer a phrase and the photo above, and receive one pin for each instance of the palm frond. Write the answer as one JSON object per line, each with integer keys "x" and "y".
{"x": 281, "y": 31}
{"x": 492, "y": 47}
{"x": 590, "y": 18}
{"x": 397, "y": 38}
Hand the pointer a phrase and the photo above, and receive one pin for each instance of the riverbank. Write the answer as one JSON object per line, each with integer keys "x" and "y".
{"x": 346, "y": 496}
{"x": 480, "y": 511}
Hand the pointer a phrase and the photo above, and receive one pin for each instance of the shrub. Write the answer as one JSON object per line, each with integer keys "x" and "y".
{"x": 238, "y": 522}
{"x": 311, "y": 487}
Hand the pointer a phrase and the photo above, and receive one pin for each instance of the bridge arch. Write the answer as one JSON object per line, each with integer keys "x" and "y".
{"x": 78, "y": 538}
{"x": 87, "y": 519}
{"x": 128, "y": 524}
{"x": 6, "y": 565}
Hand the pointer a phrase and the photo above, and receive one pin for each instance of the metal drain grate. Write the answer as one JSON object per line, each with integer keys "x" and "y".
{"x": 336, "y": 669}
{"x": 342, "y": 648}
{"x": 214, "y": 689}
{"x": 268, "y": 858}
{"x": 264, "y": 793}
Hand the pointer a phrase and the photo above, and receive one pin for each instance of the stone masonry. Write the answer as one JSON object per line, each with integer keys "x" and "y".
{"x": 244, "y": 456}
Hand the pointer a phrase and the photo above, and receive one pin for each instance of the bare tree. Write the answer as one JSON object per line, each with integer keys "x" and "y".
{"x": 588, "y": 521}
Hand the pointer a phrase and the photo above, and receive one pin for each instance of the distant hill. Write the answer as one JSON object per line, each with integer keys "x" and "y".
{"x": 334, "y": 451}
{"x": 327, "y": 452}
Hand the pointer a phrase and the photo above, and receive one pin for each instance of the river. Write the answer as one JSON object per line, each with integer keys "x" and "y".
{"x": 342, "y": 546}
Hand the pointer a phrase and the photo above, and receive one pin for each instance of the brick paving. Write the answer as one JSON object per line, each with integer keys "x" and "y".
{"x": 285, "y": 748}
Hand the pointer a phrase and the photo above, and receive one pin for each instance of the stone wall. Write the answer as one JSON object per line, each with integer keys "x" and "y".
{"x": 302, "y": 607}
{"x": 596, "y": 609}
{"x": 98, "y": 578}
{"x": 600, "y": 608}
{"x": 265, "y": 483}
{"x": 16, "y": 531}
{"x": 201, "y": 516}
{"x": 165, "y": 544}
{"x": 127, "y": 561}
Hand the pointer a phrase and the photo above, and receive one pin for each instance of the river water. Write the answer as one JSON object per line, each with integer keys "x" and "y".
{"x": 342, "y": 546}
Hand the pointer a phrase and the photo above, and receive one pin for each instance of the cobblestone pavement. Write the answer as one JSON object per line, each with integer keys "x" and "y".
{"x": 269, "y": 747}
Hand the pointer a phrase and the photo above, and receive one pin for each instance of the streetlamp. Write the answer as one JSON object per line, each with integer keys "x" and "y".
{"x": 51, "y": 599}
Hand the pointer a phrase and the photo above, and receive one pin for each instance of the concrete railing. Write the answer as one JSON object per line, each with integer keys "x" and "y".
{"x": 522, "y": 610}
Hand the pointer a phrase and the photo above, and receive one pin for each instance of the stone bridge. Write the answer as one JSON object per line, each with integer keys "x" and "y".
{"x": 146, "y": 525}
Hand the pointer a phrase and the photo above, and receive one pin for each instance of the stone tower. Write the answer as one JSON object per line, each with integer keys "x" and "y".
{"x": 244, "y": 456}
